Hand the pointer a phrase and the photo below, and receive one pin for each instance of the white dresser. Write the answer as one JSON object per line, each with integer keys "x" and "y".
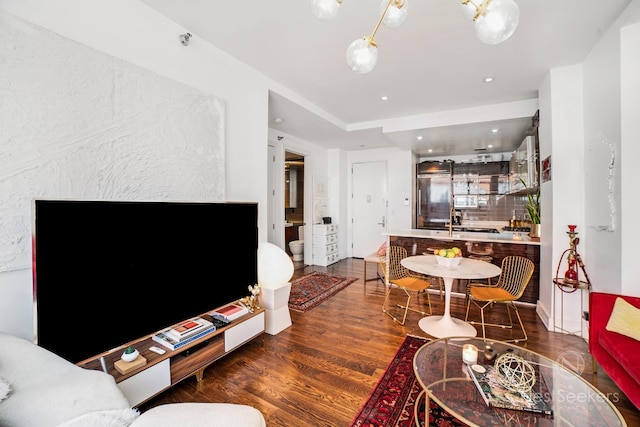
{"x": 325, "y": 244}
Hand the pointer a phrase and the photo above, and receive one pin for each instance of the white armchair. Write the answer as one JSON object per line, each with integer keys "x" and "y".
{"x": 43, "y": 389}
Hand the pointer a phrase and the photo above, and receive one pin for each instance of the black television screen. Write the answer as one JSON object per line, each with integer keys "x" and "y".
{"x": 109, "y": 272}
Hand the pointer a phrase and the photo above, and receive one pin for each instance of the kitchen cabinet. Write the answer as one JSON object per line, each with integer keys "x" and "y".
{"x": 523, "y": 166}
{"x": 481, "y": 178}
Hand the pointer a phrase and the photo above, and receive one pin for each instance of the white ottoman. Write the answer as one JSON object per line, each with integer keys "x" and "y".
{"x": 201, "y": 415}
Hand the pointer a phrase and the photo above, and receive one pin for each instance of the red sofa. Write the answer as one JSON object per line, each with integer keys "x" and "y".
{"x": 617, "y": 354}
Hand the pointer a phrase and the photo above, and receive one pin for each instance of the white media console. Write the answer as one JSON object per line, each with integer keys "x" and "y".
{"x": 165, "y": 370}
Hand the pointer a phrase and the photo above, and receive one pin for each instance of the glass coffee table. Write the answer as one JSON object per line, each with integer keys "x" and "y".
{"x": 445, "y": 378}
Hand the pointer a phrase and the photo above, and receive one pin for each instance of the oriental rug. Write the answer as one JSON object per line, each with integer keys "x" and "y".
{"x": 392, "y": 401}
{"x": 312, "y": 289}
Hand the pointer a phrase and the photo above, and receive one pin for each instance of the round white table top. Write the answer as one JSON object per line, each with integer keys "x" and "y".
{"x": 467, "y": 269}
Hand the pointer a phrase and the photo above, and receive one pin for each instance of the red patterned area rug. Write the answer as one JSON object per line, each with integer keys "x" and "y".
{"x": 392, "y": 401}
{"x": 312, "y": 289}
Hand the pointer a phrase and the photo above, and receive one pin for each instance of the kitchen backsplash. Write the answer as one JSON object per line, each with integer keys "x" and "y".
{"x": 496, "y": 208}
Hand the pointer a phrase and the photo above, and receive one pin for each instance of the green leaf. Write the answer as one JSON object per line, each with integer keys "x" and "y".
{"x": 533, "y": 204}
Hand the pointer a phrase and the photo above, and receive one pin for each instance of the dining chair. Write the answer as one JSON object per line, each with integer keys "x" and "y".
{"x": 400, "y": 278}
{"x": 431, "y": 279}
{"x": 512, "y": 282}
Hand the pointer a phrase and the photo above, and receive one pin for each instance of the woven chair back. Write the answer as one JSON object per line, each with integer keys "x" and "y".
{"x": 397, "y": 270}
{"x": 516, "y": 274}
{"x": 392, "y": 257}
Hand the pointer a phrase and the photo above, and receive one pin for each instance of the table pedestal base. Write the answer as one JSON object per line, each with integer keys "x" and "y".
{"x": 442, "y": 326}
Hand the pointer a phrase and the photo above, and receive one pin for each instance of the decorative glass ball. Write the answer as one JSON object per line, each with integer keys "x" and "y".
{"x": 362, "y": 55}
{"x": 516, "y": 373}
{"x": 498, "y": 22}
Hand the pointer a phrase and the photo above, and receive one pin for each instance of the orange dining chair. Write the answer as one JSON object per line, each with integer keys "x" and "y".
{"x": 400, "y": 278}
{"x": 512, "y": 282}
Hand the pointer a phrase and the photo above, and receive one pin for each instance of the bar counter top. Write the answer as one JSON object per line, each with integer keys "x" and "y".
{"x": 502, "y": 237}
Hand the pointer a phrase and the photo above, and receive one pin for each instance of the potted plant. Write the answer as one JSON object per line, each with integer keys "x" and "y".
{"x": 533, "y": 209}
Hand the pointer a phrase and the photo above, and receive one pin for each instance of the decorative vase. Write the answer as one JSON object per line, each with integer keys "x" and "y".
{"x": 130, "y": 357}
{"x": 535, "y": 230}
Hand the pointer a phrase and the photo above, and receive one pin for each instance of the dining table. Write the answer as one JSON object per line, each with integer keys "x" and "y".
{"x": 446, "y": 325}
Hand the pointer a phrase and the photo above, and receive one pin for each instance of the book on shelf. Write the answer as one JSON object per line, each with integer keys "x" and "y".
{"x": 230, "y": 312}
{"x": 188, "y": 328}
{"x": 491, "y": 388}
{"x": 172, "y": 344}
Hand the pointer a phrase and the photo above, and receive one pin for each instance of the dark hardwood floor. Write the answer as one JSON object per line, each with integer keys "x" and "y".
{"x": 322, "y": 369}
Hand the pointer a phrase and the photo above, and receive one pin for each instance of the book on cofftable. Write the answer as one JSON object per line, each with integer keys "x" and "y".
{"x": 173, "y": 344}
{"x": 188, "y": 328}
{"x": 495, "y": 394}
{"x": 230, "y": 312}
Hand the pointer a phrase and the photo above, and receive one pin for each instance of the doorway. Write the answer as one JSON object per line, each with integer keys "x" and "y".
{"x": 293, "y": 201}
{"x": 369, "y": 185}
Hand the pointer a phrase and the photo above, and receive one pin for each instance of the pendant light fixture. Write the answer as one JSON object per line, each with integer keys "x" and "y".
{"x": 325, "y": 9}
{"x": 495, "y": 21}
{"x": 362, "y": 54}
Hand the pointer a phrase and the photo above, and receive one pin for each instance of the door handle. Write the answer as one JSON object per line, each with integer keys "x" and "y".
{"x": 381, "y": 223}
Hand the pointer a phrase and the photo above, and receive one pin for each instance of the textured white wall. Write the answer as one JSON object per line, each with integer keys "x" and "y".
{"x": 77, "y": 123}
{"x": 80, "y": 124}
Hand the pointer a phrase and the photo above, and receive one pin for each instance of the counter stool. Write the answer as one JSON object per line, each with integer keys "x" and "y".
{"x": 373, "y": 258}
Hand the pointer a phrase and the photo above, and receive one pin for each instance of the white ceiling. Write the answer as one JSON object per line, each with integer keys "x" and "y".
{"x": 430, "y": 64}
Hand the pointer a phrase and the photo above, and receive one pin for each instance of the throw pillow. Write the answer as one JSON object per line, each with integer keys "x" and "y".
{"x": 4, "y": 389}
{"x": 382, "y": 250}
{"x": 624, "y": 319}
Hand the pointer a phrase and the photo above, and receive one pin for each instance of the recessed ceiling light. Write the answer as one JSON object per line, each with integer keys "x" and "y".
{"x": 490, "y": 146}
{"x": 494, "y": 130}
{"x": 384, "y": 98}
{"x": 488, "y": 79}
{"x": 278, "y": 120}
{"x": 430, "y": 150}
{"x": 419, "y": 137}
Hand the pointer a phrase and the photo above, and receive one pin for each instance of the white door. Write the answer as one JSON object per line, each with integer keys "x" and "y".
{"x": 369, "y": 184}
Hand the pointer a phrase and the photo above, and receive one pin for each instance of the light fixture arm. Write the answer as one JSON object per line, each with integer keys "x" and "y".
{"x": 481, "y": 9}
{"x": 399, "y": 4}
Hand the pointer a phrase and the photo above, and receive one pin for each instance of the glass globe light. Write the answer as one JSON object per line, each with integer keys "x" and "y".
{"x": 362, "y": 55}
{"x": 324, "y": 9}
{"x": 468, "y": 10}
{"x": 498, "y": 22}
{"x": 396, "y": 14}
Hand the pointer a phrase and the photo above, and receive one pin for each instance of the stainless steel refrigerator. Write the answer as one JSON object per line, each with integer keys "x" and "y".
{"x": 433, "y": 180}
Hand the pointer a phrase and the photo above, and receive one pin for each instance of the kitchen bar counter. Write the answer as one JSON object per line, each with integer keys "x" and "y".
{"x": 503, "y": 237}
{"x": 492, "y": 246}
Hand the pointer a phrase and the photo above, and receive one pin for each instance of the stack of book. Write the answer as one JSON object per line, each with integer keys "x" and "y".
{"x": 230, "y": 312}
{"x": 496, "y": 395}
{"x": 184, "y": 333}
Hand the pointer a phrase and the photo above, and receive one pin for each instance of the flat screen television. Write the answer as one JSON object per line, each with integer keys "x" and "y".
{"x": 106, "y": 273}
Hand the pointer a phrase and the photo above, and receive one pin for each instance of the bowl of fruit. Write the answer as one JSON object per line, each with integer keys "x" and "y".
{"x": 448, "y": 257}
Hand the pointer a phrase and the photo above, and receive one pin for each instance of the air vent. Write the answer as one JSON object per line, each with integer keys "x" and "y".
{"x": 479, "y": 149}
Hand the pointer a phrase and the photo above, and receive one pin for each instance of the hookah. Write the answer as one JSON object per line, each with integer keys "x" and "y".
{"x": 570, "y": 281}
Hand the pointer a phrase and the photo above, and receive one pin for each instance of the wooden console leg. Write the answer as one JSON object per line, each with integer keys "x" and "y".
{"x": 199, "y": 374}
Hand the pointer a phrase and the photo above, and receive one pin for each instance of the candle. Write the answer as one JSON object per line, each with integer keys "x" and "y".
{"x": 469, "y": 354}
